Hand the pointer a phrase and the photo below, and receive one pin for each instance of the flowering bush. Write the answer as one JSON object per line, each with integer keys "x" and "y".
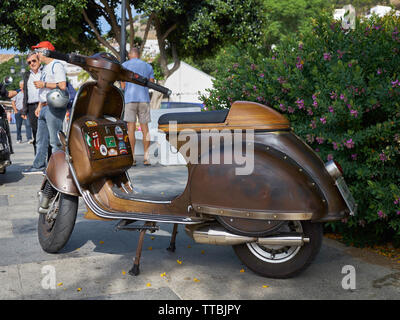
{"x": 341, "y": 91}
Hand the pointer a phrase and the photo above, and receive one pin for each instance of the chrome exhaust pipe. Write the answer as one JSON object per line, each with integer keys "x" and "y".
{"x": 219, "y": 236}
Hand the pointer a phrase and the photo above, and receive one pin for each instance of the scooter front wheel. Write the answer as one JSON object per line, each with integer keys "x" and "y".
{"x": 280, "y": 261}
{"x": 55, "y": 226}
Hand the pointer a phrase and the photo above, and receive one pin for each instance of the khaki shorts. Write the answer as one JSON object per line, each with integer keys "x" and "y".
{"x": 141, "y": 110}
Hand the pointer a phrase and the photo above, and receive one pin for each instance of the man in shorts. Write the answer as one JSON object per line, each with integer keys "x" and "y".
{"x": 137, "y": 102}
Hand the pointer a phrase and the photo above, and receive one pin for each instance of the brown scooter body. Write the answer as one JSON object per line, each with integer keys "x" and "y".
{"x": 276, "y": 205}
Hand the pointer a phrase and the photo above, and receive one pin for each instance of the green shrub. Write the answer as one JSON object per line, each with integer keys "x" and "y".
{"x": 341, "y": 91}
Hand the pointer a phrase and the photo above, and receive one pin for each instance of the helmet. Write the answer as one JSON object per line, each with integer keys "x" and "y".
{"x": 57, "y": 98}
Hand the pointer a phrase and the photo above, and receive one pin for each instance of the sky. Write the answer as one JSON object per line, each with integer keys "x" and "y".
{"x": 104, "y": 28}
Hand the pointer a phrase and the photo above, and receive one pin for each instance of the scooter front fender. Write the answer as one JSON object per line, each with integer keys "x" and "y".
{"x": 59, "y": 175}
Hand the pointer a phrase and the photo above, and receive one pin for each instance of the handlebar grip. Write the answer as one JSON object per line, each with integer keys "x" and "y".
{"x": 56, "y": 55}
{"x": 159, "y": 88}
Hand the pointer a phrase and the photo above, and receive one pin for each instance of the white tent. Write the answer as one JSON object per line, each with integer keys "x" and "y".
{"x": 186, "y": 83}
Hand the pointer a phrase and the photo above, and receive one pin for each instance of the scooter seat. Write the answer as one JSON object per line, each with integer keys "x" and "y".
{"x": 218, "y": 116}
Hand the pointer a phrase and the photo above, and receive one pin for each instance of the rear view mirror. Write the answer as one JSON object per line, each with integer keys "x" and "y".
{"x": 8, "y": 80}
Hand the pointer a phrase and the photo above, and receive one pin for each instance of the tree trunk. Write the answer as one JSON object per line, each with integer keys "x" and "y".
{"x": 156, "y": 98}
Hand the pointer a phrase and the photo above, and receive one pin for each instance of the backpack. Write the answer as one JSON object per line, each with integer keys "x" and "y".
{"x": 71, "y": 90}
{"x": 72, "y": 94}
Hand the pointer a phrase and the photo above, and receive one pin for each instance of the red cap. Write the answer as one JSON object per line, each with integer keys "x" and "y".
{"x": 44, "y": 44}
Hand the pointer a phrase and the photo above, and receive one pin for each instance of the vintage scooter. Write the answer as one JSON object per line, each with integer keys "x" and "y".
{"x": 6, "y": 148}
{"x": 271, "y": 215}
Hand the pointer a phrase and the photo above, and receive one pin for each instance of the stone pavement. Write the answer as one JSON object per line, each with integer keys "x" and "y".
{"x": 96, "y": 260}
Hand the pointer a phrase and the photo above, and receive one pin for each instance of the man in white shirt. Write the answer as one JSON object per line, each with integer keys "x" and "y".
{"x": 50, "y": 120}
{"x": 31, "y": 93}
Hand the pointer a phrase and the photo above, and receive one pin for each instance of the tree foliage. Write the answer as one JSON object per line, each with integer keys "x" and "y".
{"x": 341, "y": 91}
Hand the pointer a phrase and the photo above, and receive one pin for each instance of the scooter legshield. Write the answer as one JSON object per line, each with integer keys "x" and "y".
{"x": 59, "y": 175}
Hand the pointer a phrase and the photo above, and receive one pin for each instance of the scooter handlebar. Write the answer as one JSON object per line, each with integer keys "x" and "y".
{"x": 138, "y": 79}
{"x": 56, "y": 55}
{"x": 68, "y": 57}
{"x": 125, "y": 74}
{"x": 159, "y": 88}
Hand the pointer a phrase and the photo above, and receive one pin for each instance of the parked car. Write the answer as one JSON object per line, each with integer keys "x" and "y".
{"x": 173, "y": 104}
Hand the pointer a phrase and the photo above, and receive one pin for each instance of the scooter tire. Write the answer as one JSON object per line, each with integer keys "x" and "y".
{"x": 291, "y": 267}
{"x": 53, "y": 237}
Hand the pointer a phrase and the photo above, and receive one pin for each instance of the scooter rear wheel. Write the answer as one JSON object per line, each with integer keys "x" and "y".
{"x": 55, "y": 227}
{"x": 280, "y": 261}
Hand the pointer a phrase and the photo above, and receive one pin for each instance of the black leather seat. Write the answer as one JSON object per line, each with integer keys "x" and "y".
{"x": 217, "y": 116}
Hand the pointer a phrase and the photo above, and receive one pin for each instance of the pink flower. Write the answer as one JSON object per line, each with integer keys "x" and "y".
{"x": 381, "y": 214}
{"x": 261, "y": 75}
{"x": 320, "y": 140}
{"x": 329, "y": 157}
{"x": 290, "y": 109}
{"x": 354, "y": 113}
{"x": 335, "y": 145}
{"x": 299, "y": 64}
{"x": 282, "y": 107}
{"x": 340, "y": 54}
{"x": 327, "y": 56}
{"x": 382, "y": 157}
{"x": 398, "y": 213}
{"x": 300, "y": 103}
{"x": 354, "y": 156}
{"x": 333, "y": 95}
{"x": 331, "y": 110}
{"x": 313, "y": 124}
{"x": 349, "y": 144}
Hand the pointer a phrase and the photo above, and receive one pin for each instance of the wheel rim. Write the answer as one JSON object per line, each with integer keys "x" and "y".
{"x": 277, "y": 253}
{"x": 51, "y": 214}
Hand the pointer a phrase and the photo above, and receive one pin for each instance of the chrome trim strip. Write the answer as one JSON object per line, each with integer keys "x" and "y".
{"x": 92, "y": 204}
{"x": 253, "y": 214}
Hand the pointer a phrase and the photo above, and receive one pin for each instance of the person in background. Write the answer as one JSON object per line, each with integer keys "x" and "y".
{"x": 137, "y": 102}
{"x": 31, "y": 96}
{"x": 17, "y": 105}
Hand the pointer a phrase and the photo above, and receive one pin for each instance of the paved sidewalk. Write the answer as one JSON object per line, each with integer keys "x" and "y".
{"x": 95, "y": 262}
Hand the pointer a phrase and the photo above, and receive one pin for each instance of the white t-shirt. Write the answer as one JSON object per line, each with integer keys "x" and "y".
{"x": 19, "y": 98}
{"x": 53, "y": 72}
{"x": 33, "y": 92}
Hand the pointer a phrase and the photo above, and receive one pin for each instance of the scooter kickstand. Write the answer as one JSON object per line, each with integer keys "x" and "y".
{"x": 135, "y": 269}
{"x": 173, "y": 237}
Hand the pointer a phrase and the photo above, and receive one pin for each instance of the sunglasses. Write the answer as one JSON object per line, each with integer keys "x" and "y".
{"x": 31, "y": 61}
